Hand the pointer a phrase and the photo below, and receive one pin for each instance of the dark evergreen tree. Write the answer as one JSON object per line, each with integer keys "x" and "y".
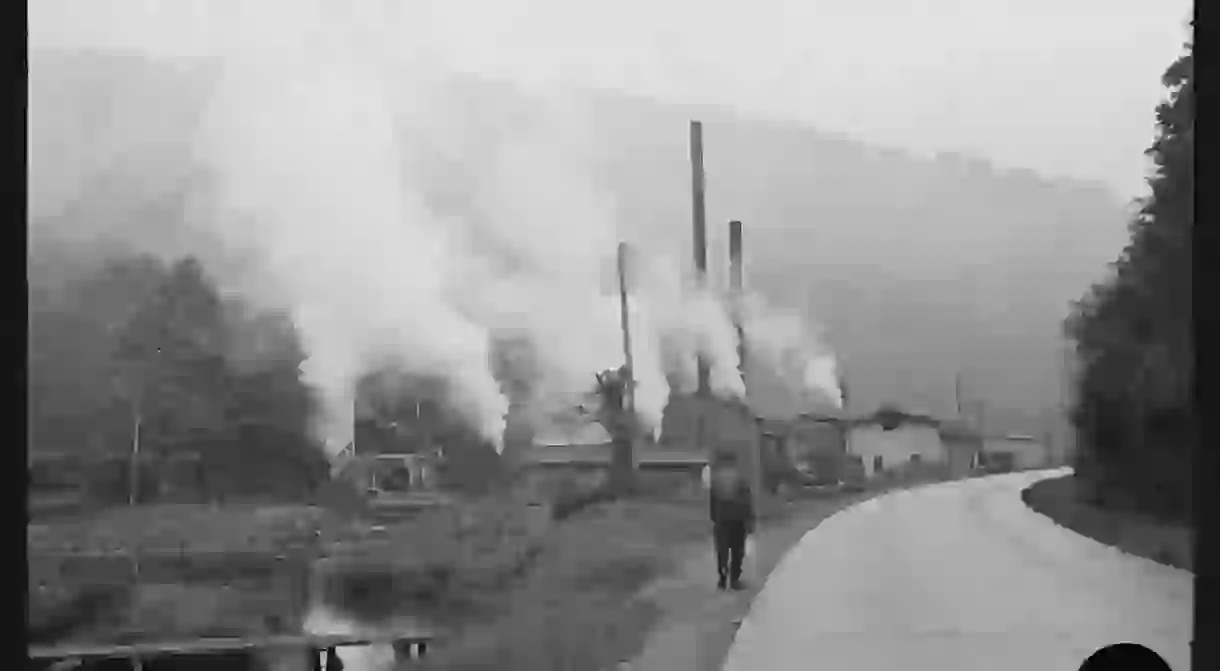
{"x": 1133, "y": 333}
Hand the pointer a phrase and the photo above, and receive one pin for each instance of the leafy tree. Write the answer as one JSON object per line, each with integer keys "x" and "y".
{"x": 620, "y": 423}
{"x": 73, "y": 324}
{"x": 1134, "y": 416}
{"x": 267, "y": 410}
{"x": 134, "y": 340}
{"x": 171, "y": 359}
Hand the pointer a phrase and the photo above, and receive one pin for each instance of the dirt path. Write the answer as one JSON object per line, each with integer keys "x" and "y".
{"x": 699, "y": 621}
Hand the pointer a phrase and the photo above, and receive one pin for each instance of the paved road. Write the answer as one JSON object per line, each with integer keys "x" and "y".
{"x": 954, "y": 576}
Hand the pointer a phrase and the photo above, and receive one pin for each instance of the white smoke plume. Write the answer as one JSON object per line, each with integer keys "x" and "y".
{"x": 784, "y": 342}
{"x": 337, "y": 174}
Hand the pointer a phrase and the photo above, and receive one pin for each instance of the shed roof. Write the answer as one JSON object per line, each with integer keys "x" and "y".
{"x": 571, "y": 453}
{"x": 596, "y": 454}
{"x": 957, "y": 430}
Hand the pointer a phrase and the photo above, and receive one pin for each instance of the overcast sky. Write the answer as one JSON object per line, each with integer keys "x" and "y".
{"x": 1064, "y": 87}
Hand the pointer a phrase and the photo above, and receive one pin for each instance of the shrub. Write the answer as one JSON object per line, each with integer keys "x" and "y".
{"x": 572, "y": 501}
{"x": 446, "y": 562}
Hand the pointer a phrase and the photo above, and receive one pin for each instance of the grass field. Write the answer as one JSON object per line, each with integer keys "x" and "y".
{"x": 117, "y": 574}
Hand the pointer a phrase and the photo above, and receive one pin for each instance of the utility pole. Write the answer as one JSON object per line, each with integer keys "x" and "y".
{"x": 841, "y": 380}
{"x": 957, "y": 393}
{"x": 735, "y": 286}
{"x": 957, "y": 400}
{"x": 844, "y": 414}
{"x": 700, "y": 230}
{"x": 133, "y": 483}
{"x": 624, "y": 457}
{"x": 629, "y": 390}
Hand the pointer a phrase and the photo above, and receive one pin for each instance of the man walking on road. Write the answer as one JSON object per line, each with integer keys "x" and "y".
{"x": 732, "y": 512}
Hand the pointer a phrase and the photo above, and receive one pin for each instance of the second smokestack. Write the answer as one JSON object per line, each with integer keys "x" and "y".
{"x": 735, "y": 286}
{"x": 735, "y": 256}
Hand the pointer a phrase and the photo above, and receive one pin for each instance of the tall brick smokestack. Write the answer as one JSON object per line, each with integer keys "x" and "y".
{"x": 700, "y": 231}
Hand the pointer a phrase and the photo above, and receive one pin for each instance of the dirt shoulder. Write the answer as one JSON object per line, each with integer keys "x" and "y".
{"x": 697, "y": 623}
{"x": 1164, "y": 542}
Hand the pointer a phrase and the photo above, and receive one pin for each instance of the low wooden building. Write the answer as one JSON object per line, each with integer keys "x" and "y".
{"x": 589, "y": 464}
{"x": 558, "y": 473}
{"x": 388, "y": 472}
{"x": 816, "y": 444}
{"x": 963, "y": 445}
{"x": 548, "y": 469}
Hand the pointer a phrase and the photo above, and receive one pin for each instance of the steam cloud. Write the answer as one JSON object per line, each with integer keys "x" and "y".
{"x": 784, "y": 343}
{"x": 338, "y": 175}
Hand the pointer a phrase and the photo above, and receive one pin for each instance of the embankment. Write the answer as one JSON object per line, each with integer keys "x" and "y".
{"x": 1163, "y": 541}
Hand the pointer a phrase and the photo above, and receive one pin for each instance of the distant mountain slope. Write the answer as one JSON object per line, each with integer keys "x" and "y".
{"x": 917, "y": 269}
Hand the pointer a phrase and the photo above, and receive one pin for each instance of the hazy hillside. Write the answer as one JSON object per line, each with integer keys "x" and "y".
{"x": 916, "y": 269}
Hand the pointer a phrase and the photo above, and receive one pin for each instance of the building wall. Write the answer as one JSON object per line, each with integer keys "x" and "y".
{"x": 897, "y": 446}
{"x": 808, "y": 438}
{"x": 551, "y": 468}
{"x": 960, "y": 456}
{"x": 1026, "y": 453}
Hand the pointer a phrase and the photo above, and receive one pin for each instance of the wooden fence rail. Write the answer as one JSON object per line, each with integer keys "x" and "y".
{"x": 406, "y": 646}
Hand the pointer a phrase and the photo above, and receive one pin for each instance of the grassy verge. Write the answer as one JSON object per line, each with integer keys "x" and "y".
{"x": 445, "y": 566}
{"x": 1161, "y": 541}
{"x": 574, "y": 608}
{"x": 695, "y": 626}
{"x": 588, "y": 599}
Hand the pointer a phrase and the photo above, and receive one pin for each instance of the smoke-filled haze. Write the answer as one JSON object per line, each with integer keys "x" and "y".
{"x": 325, "y": 160}
{"x": 321, "y": 162}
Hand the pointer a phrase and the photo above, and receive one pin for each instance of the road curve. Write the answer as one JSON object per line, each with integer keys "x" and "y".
{"x": 959, "y": 575}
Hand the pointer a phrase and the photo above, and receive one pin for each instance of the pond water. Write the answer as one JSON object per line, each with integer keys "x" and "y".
{"x": 282, "y": 597}
{"x": 324, "y": 619}
{"x": 319, "y": 619}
